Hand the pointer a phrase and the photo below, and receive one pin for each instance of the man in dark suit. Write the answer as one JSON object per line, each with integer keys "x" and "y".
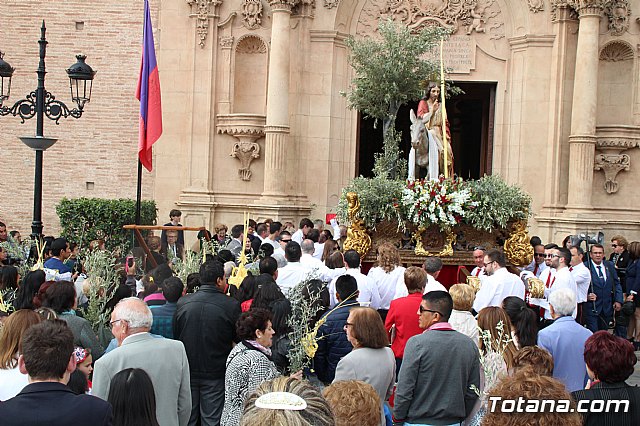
{"x": 47, "y": 357}
{"x": 605, "y": 293}
{"x": 172, "y": 249}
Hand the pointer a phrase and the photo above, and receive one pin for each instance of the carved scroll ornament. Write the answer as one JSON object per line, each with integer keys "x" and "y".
{"x": 252, "y": 14}
{"x": 480, "y": 16}
{"x": 611, "y": 164}
{"x": 202, "y": 10}
{"x": 357, "y": 237}
{"x": 331, "y": 3}
{"x": 619, "y": 14}
{"x": 246, "y": 152}
{"x": 588, "y": 7}
{"x": 246, "y": 128}
{"x": 517, "y": 248}
{"x": 535, "y": 6}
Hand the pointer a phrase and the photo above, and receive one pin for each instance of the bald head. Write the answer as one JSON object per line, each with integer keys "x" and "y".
{"x": 307, "y": 247}
{"x": 478, "y": 257}
{"x": 130, "y": 316}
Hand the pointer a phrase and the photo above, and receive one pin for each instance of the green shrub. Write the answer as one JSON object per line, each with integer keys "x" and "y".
{"x": 498, "y": 203}
{"x": 86, "y": 219}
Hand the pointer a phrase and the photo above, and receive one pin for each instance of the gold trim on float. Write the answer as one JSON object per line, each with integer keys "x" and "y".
{"x": 447, "y": 250}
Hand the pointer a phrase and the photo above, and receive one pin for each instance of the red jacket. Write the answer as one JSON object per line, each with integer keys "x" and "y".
{"x": 403, "y": 312}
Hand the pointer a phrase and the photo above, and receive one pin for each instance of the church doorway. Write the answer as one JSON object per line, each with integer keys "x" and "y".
{"x": 471, "y": 118}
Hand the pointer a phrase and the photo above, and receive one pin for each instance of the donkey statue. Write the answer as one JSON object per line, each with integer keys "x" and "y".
{"x": 425, "y": 149}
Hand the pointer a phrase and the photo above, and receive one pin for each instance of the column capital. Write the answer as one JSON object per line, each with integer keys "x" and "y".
{"x": 282, "y": 5}
{"x": 589, "y": 7}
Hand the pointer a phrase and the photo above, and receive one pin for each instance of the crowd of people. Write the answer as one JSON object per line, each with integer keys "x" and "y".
{"x": 393, "y": 345}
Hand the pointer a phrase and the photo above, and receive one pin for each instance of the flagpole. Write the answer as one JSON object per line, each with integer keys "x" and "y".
{"x": 445, "y": 144}
{"x": 139, "y": 193}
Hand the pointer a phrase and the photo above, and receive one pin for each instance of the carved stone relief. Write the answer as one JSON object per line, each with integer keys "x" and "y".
{"x": 535, "y": 6}
{"x": 588, "y": 6}
{"x": 562, "y": 5}
{"x": 466, "y": 16}
{"x": 246, "y": 152}
{"x": 611, "y": 142}
{"x": 251, "y": 44}
{"x": 226, "y": 42}
{"x": 331, "y": 3}
{"x": 304, "y": 8}
{"x": 619, "y": 14}
{"x": 202, "y": 10}
{"x": 616, "y": 51}
{"x": 246, "y": 128}
{"x": 611, "y": 164}
{"x": 252, "y": 14}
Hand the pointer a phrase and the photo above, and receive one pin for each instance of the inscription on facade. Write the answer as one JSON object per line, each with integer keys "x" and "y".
{"x": 460, "y": 54}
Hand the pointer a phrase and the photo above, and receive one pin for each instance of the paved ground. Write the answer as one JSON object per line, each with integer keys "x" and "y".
{"x": 635, "y": 377}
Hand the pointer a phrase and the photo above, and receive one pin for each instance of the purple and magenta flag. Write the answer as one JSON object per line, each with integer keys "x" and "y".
{"x": 148, "y": 93}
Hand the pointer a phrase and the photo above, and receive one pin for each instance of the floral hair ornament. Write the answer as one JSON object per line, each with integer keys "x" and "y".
{"x": 281, "y": 401}
{"x": 80, "y": 354}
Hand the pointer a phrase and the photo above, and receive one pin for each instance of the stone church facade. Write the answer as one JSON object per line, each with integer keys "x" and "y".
{"x": 254, "y": 118}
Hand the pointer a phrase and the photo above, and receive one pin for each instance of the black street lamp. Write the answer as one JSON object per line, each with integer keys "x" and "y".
{"x": 41, "y": 103}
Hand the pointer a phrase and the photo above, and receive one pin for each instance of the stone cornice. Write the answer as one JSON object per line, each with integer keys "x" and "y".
{"x": 241, "y": 124}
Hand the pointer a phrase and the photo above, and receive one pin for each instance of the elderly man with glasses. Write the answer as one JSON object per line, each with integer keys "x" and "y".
{"x": 164, "y": 360}
{"x": 440, "y": 369}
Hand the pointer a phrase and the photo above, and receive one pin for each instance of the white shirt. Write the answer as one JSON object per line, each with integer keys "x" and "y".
{"x": 478, "y": 271}
{"x": 290, "y": 275}
{"x": 313, "y": 263}
{"x": 532, "y": 267}
{"x": 13, "y": 381}
{"x": 387, "y": 283}
{"x": 582, "y": 276}
{"x": 368, "y": 293}
{"x": 496, "y": 287}
{"x": 298, "y": 236}
{"x": 546, "y": 277}
{"x": 432, "y": 285}
{"x": 318, "y": 250}
{"x": 602, "y": 269}
{"x": 465, "y": 323}
{"x": 275, "y": 244}
{"x": 562, "y": 279}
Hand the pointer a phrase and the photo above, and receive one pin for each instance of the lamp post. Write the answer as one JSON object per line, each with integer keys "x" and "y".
{"x": 41, "y": 103}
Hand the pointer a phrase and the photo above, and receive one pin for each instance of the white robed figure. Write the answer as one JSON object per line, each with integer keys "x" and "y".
{"x": 427, "y": 150}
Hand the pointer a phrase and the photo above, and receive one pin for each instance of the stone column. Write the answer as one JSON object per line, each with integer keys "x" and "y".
{"x": 277, "y": 127}
{"x": 583, "y": 111}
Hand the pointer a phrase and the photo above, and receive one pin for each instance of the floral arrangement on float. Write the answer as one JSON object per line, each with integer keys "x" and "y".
{"x": 458, "y": 213}
{"x": 488, "y": 203}
{"x": 443, "y": 203}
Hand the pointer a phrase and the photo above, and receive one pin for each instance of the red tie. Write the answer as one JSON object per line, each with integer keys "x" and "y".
{"x": 535, "y": 270}
{"x": 570, "y": 268}
{"x": 478, "y": 272}
{"x": 549, "y": 284}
